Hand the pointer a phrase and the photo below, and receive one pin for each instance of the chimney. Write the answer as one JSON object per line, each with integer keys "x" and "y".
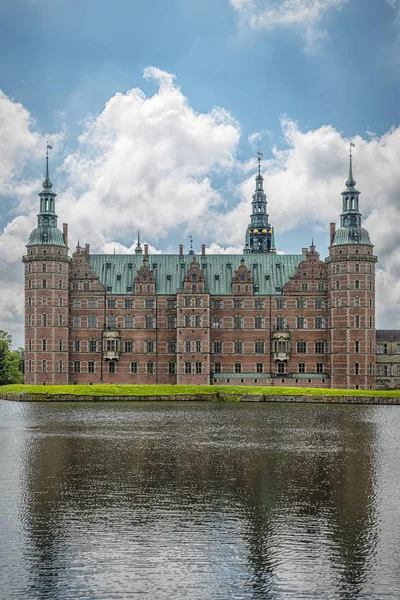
{"x": 203, "y": 249}
{"x": 304, "y": 251}
{"x": 65, "y": 233}
{"x": 146, "y": 249}
{"x": 332, "y": 228}
{"x": 87, "y": 250}
{"x": 180, "y": 249}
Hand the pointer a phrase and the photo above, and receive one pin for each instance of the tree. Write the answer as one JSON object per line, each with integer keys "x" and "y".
{"x": 10, "y": 361}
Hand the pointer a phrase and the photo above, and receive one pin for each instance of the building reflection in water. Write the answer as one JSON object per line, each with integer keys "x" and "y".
{"x": 207, "y": 501}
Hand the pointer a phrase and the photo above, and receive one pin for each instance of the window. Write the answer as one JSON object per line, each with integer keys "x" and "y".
{"x": 86, "y": 286}
{"x": 60, "y": 366}
{"x": 338, "y": 285}
{"x": 217, "y": 322}
{"x": 90, "y": 366}
{"x": 30, "y": 320}
{"x": 280, "y": 323}
{"x": 171, "y": 303}
{"x": 171, "y": 321}
{"x": 301, "y": 323}
{"x": 76, "y": 303}
{"x": 199, "y": 367}
{"x": 44, "y": 345}
{"x": 198, "y": 345}
{"x": 357, "y": 268}
{"x": 259, "y": 322}
{"x": 319, "y": 323}
{"x": 134, "y": 367}
{"x": 357, "y": 301}
{"x": 302, "y": 367}
{"x": 357, "y": 321}
{"x": 44, "y": 366}
{"x": 320, "y": 367}
{"x": 321, "y": 286}
{"x": 301, "y": 303}
{"x": 356, "y": 368}
{"x": 150, "y": 346}
{"x": 111, "y": 345}
{"x": 149, "y": 303}
{"x": 381, "y": 348}
{"x": 237, "y": 322}
{"x": 237, "y": 303}
{"x": 398, "y": 348}
{"x": 356, "y": 346}
{"x": 319, "y": 303}
{"x": 280, "y": 303}
{"x": 29, "y": 366}
{"x": 238, "y": 347}
{"x": 60, "y": 301}
{"x": 29, "y": 345}
{"x": 188, "y": 367}
{"x": 217, "y": 367}
{"x": 320, "y": 347}
{"x": 171, "y": 346}
{"x": 60, "y": 320}
{"x": 112, "y": 321}
{"x": 111, "y": 366}
{"x": 59, "y": 284}
{"x": 370, "y": 303}
{"x": 259, "y": 367}
{"x": 371, "y": 322}
{"x": 92, "y": 321}
{"x": 92, "y": 303}
{"x": 44, "y": 300}
{"x": 30, "y": 301}
{"x": 188, "y": 320}
{"x": 129, "y": 346}
{"x": 150, "y": 367}
{"x": 29, "y": 285}
{"x": 258, "y": 304}
{"x": 337, "y": 268}
{"x": 188, "y": 301}
{"x": 128, "y": 304}
{"x": 149, "y": 322}
{"x": 129, "y": 322}
{"x": 171, "y": 368}
{"x": 92, "y": 346}
{"x": 238, "y": 367}
{"x": 77, "y": 366}
{"x": 259, "y": 347}
{"x": 217, "y": 347}
{"x": 77, "y": 346}
{"x": 44, "y": 284}
{"x": 301, "y": 347}
{"x": 59, "y": 268}
{"x": 187, "y": 345}
{"x": 44, "y": 319}
{"x": 197, "y": 321}
{"x": 304, "y": 287}
{"x": 111, "y": 303}
{"x": 357, "y": 284}
{"x": 280, "y": 367}
{"x": 197, "y": 301}
{"x": 382, "y": 370}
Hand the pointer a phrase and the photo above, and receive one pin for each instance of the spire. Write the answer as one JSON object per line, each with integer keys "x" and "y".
{"x": 259, "y": 155}
{"x": 191, "y": 251}
{"x": 350, "y": 181}
{"x": 259, "y": 235}
{"x": 47, "y": 185}
{"x": 138, "y": 249}
{"x": 351, "y": 216}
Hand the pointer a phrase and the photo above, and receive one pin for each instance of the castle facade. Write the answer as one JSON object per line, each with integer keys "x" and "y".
{"x": 259, "y": 318}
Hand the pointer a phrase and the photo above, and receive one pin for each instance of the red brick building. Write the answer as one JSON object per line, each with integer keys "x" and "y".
{"x": 255, "y": 319}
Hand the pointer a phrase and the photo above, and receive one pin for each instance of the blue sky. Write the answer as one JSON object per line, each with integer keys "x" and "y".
{"x": 297, "y": 77}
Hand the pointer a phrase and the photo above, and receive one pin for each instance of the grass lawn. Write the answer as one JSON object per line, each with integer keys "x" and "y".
{"x": 176, "y": 390}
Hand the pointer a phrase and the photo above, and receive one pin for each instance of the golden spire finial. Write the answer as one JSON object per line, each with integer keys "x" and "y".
{"x": 259, "y": 155}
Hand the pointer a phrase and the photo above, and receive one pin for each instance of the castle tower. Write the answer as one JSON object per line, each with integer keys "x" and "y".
{"x": 351, "y": 275}
{"x": 259, "y": 234}
{"x": 46, "y": 294}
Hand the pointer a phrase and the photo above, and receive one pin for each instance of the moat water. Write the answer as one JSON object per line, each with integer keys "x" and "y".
{"x": 199, "y": 501}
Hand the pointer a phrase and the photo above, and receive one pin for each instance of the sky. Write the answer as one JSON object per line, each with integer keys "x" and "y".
{"x": 155, "y": 112}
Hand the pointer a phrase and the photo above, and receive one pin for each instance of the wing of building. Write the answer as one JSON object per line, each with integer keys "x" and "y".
{"x": 259, "y": 318}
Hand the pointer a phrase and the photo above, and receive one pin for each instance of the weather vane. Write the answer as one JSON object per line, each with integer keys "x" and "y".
{"x": 351, "y": 146}
{"x": 191, "y": 242}
{"x": 259, "y": 155}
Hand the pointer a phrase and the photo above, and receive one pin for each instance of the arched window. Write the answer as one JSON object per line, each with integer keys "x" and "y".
{"x": 194, "y": 277}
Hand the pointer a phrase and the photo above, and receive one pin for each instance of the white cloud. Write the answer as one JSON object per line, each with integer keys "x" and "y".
{"x": 305, "y": 14}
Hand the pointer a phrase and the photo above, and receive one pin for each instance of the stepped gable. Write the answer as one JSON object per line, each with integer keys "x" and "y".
{"x": 310, "y": 272}
{"x": 194, "y": 280}
{"x": 144, "y": 281}
{"x": 81, "y": 270}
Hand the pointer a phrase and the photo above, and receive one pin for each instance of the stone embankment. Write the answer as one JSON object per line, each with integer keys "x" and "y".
{"x": 217, "y": 397}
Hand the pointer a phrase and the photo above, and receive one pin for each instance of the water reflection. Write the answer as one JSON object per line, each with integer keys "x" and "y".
{"x": 199, "y": 501}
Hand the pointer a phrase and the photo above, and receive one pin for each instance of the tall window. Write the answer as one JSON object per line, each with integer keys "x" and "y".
{"x": 60, "y": 301}
{"x": 258, "y": 304}
{"x": 149, "y": 303}
{"x": 171, "y": 321}
{"x": 217, "y": 347}
{"x": 259, "y": 347}
{"x": 171, "y": 368}
{"x": 280, "y": 303}
{"x": 171, "y": 346}
{"x": 134, "y": 367}
{"x": 129, "y": 346}
{"x": 92, "y": 303}
{"x": 92, "y": 321}
{"x": 356, "y": 346}
{"x": 199, "y": 367}
{"x": 238, "y": 367}
{"x": 198, "y": 345}
{"x": 301, "y": 303}
{"x": 237, "y": 303}
{"x": 197, "y": 301}
{"x": 111, "y": 366}
{"x": 320, "y": 367}
{"x": 129, "y": 322}
{"x": 150, "y": 346}
{"x": 304, "y": 287}
{"x": 357, "y": 284}
{"x": 188, "y": 367}
{"x": 90, "y": 366}
{"x": 218, "y": 304}
{"x": 149, "y": 322}
{"x": 30, "y": 320}
{"x": 238, "y": 322}
{"x": 259, "y": 322}
{"x": 44, "y": 345}
{"x": 319, "y": 323}
{"x": 259, "y": 367}
{"x": 280, "y": 367}
{"x": 111, "y": 303}
{"x": 128, "y": 303}
{"x": 301, "y": 347}
{"x": 44, "y": 366}
{"x": 357, "y": 268}
{"x": 187, "y": 345}
{"x": 150, "y": 367}
{"x": 301, "y": 323}
{"x": 217, "y": 322}
{"x": 29, "y": 345}
{"x": 280, "y": 323}
{"x": 77, "y": 366}
{"x": 197, "y": 321}
{"x": 238, "y": 347}
{"x": 60, "y": 366}
{"x": 217, "y": 367}
{"x": 320, "y": 347}
{"x": 44, "y": 284}
{"x": 356, "y": 368}
{"x": 92, "y": 346}
{"x": 357, "y": 321}
{"x": 112, "y": 321}
{"x": 171, "y": 303}
{"x": 77, "y": 346}
{"x": 188, "y": 320}
{"x": 60, "y": 320}
{"x": 357, "y": 301}
{"x": 302, "y": 367}
{"x": 319, "y": 303}
{"x": 44, "y": 319}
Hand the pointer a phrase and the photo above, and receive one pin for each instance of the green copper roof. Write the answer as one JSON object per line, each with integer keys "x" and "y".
{"x": 351, "y": 235}
{"x": 46, "y": 236}
{"x": 270, "y": 271}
